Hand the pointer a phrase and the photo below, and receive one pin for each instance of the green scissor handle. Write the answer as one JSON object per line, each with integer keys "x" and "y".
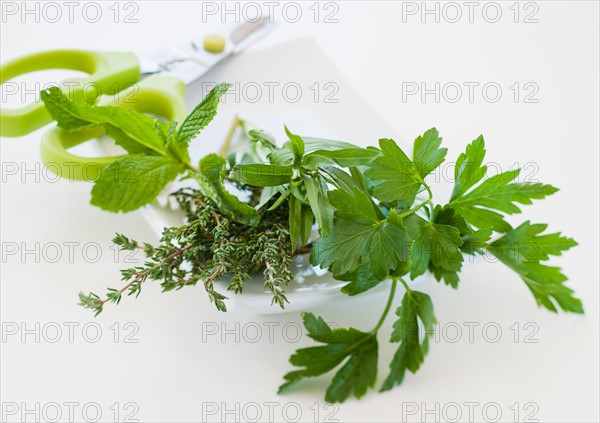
{"x": 109, "y": 74}
{"x": 161, "y": 95}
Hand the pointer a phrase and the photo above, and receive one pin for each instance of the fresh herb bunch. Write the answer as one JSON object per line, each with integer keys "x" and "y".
{"x": 376, "y": 218}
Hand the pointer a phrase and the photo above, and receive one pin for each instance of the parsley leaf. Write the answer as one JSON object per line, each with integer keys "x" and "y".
{"x": 427, "y": 154}
{"x": 480, "y": 206}
{"x": 399, "y": 180}
{"x": 361, "y": 280}
{"x": 360, "y": 236}
{"x": 434, "y": 244}
{"x": 411, "y": 353}
{"x": 354, "y": 377}
{"x": 473, "y": 241}
{"x": 522, "y": 249}
{"x": 469, "y": 169}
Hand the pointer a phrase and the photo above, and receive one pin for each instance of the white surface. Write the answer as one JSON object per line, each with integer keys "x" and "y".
{"x": 177, "y": 371}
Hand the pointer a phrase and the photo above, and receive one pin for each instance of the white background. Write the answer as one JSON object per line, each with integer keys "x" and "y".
{"x": 173, "y": 374}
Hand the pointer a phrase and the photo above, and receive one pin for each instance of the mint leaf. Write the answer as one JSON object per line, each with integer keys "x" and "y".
{"x": 427, "y": 154}
{"x": 133, "y": 181}
{"x": 359, "y": 236}
{"x": 210, "y": 179}
{"x": 135, "y": 132}
{"x": 262, "y": 175}
{"x": 523, "y": 249}
{"x": 399, "y": 180}
{"x": 411, "y": 353}
{"x": 354, "y": 377}
{"x": 201, "y": 116}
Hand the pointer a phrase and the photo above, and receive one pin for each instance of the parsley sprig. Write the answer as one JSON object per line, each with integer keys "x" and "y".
{"x": 367, "y": 215}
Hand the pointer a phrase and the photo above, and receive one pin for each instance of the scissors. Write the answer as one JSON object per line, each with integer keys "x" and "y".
{"x": 151, "y": 83}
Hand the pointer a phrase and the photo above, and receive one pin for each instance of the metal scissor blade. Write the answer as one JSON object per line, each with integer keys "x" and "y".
{"x": 247, "y": 33}
{"x": 189, "y": 61}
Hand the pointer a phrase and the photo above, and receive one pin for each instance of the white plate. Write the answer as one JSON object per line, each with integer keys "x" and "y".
{"x": 345, "y": 116}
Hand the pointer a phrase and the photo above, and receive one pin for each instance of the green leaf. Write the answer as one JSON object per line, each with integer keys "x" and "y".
{"x": 450, "y": 277}
{"x": 411, "y": 352}
{"x": 473, "y": 241}
{"x": 481, "y": 205}
{"x": 285, "y": 155}
{"x": 346, "y": 157}
{"x": 427, "y": 154}
{"x": 299, "y": 227}
{"x": 307, "y": 220}
{"x": 266, "y": 195}
{"x": 168, "y": 131}
{"x": 500, "y": 194}
{"x": 262, "y": 175}
{"x": 469, "y": 170}
{"x": 262, "y": 138}
{"x": 316, "y": 327}
{"x": 398, "y": 176}
{"x": 338, "y": 177}
{"x": 296, "y": 144}
{"x": 476, "y": 241}
{"x": 130, "y": 129}
{"x": 133, "y": 181}
{"x": 522, "y": 249}
{"x": 359, "y": 236}
{"x": 316, "y": 193}
{"x": 355, "y": 205}
{"x": 483, "y": 218}
{"x": 201, "y": 116}
{"x": 210, "y": 179}
{"x": 434, "y": 243}
{"x": 354, "y": 377}
{"x": 361, "y": 280}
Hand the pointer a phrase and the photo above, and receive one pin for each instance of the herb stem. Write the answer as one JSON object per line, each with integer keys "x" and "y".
{"x": 421, "y": 205}
{"x": 408, "y": 290}
{"x": 415, "y": 209}
{"x": 143, "y": 275}
{"x": 227, "y": 143}
{"x": 388, "y": 305}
